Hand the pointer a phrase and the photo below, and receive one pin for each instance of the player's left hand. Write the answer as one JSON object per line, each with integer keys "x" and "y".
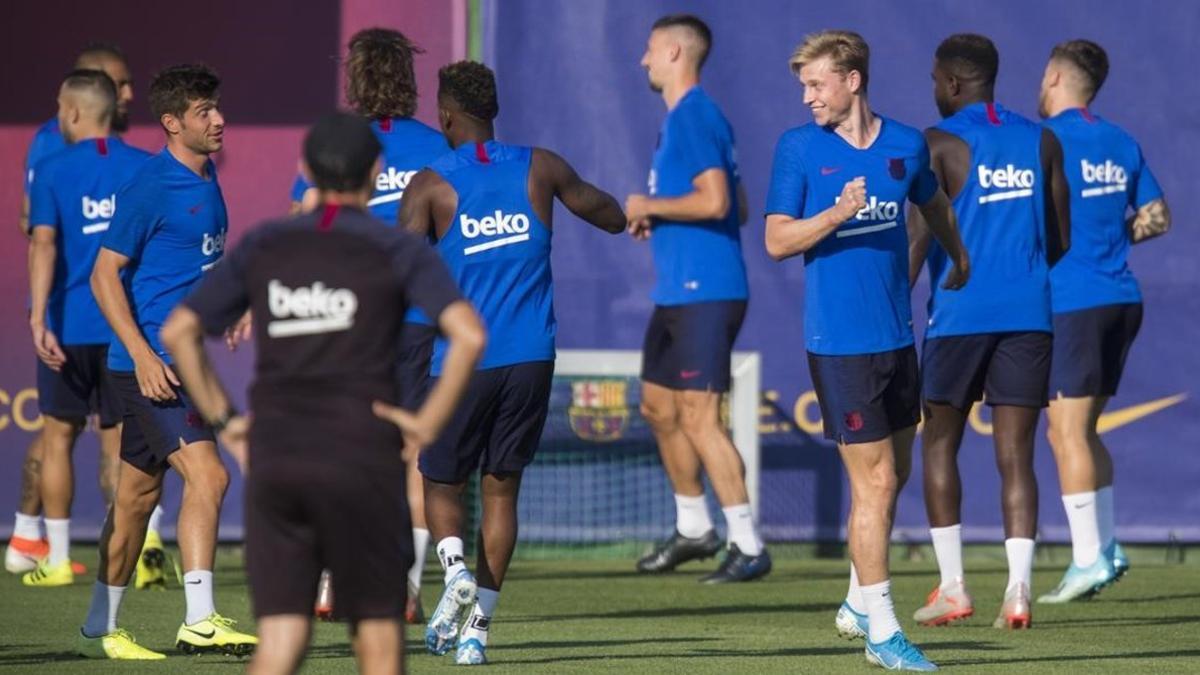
{"x": 637, "y": 208}
{"x": 416, "y": 431}
{"x": 639, "y": 230}
{"x": 235, "y": 439}
{"x": 239, "y": 332}
{"x": 958, "y": 276}
{"x": 45, "y": 342}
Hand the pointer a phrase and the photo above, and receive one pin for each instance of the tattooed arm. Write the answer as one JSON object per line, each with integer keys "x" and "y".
{"x": 1150, "y": 221}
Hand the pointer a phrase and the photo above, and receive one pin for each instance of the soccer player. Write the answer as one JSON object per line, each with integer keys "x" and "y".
{"x": 1096, "y": 302}
{"x": 27, "y": 546}
{"x": 693, "y": 216}
{"x": 381, "y": 85}
{"x": 169, "y": 230}
{"x": 329, "y": 290}
{"x": 1004, "y": 175}
{"x": 490, "y": 206}
{"x": 837, "y": 190}
{"x": 72, "y": 203}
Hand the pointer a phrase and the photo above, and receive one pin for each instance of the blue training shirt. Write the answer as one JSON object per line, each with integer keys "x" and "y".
{"x": 409, "y": 145}
{"x": 172, "y": 226}
{"x": 46, "y": 141}
{"x": 1107, "y": 174}
{"x": 74, "y": 192}
{"x": 697, "y": 261}
{"x": 498, "y": 252}
{"x": 1001, "y": 213}
{"x": 856, "y": 294}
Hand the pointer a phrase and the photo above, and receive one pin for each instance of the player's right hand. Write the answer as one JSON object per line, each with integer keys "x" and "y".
{"x": 852, "y": 199}
{"x": 416, "y": 431}
{"x": 234, "y": 438}
{"x": 154, "y": 377}
{"x": 45, "y": 342}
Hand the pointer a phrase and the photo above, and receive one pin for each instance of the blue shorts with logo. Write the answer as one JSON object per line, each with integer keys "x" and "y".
{"x": 1090, "y": 347}
{"x": 688, "y": 346}
{"x": 867, "y": 397}
{"x": 497, "y": 426}
{"x": 412, "y": 371}
{"x": 153, "y": 430}
{"x": 1010, "y": 368}
{"x": 82, "y": 387}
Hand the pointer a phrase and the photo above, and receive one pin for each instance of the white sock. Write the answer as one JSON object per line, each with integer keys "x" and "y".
{"x": 691, "y": 516}
{"x": 854, "y": 596}
{"x": 742, "y": 532}
{"x": 881, "y": 615}
{"x": 450, "y": 552}
{"x": 198, "y": 591}
{"x": 1105, "y": 516}
{"x": 1085, "y": 529}
{"x": 947, "y": 546}
{"x": 102, "y": 613}
{"x": 27, "y": 527}
{"x": 58, "y": 531}
{"x": 481, "y": 615}
{"x": 420, "y": 546}
{"x": 155, "y": 519}
{"x": 1020, "y": 561}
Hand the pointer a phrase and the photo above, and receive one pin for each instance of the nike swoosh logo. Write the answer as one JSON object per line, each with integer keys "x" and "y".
{"x": 689, "y": 374}
{"x": 1118, "y": 418}
{"x": 193, "y": 583}
{"x": 1082, "y": 506}
{"x": 827, "y": 170}
{"x": 206, "y": 636}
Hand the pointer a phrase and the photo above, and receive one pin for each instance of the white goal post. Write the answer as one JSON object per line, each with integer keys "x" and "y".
{"x": 744, "y": 395}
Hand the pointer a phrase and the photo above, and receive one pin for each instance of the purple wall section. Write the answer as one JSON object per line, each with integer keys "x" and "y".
{"x": 569, "y": 80}
{"x": 277, "y": 61}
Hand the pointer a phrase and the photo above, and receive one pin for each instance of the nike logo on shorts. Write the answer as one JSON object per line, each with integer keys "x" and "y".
{"x": 689, "y": 374}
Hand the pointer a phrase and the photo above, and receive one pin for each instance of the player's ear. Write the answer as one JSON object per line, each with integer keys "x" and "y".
{"x": 170, "y": 123}
{"x": 854, "y": 81}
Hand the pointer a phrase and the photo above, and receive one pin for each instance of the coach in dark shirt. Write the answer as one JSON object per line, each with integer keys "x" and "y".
{"x": 328, "y": 291}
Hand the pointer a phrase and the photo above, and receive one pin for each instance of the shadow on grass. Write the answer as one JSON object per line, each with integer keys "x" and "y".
{"x": 1149, "y": 598}
{"x": 1181, "y": 653}
{"x": 1121, "y": 621}
{"x": 701, "y": 653}
{"x": 668, "y": 612}
{"x": 19, "y": 658}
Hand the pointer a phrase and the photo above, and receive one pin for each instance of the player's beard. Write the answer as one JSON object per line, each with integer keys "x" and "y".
{"x": 1043, "y": 108}
{"x": 120, "y": 121}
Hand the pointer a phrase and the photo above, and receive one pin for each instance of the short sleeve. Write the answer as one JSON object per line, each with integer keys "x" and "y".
{"x": 695, "y": 142}
{"x": 135, "y": 219}
{"x": 924, "y": 184}
{"x": 1145, "y": 187}
{"x": 299, "y": 187}
{"x": 221, "y": 297}
{"x": 789, "y": 182}
{"x": 426, "y": 282}
{"x": 43, "y": 209}
{"x": 39, "y": 148}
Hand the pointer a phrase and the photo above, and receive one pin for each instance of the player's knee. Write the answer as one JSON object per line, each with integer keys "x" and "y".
{"x": 137, "y": 504}
{"x": 660, "y": 416}
{"x": 211, "y": 481}
{"x": 61, "y": 430}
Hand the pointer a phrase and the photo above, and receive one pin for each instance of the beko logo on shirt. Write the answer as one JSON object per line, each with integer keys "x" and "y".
{"x": 98, "y": 208}
{"x": 515, "y": 227}
{"x": 392, "y": 182}
{"x": 213, "y": 245}
{"x": 309, "y": 310}
{"x": 875, "y": 210}
{"x": 1110, "y": 176}
{"x": 1015, "y": 183}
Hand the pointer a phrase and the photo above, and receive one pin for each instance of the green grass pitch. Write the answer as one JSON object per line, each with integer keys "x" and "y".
{"x": 600, "y": 617}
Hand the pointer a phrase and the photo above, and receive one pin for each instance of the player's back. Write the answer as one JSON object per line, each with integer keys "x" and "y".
{"x": 696, "y": 261}
{"x": 1001, "y": 219}
{"x": 498, "y": 251}
{"x": 1107, "y": 174}
{"x": 75, "y": 191}
{"x": 328, "y": 291}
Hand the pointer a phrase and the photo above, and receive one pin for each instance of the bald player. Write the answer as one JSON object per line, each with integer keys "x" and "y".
{"x": 72, "y": 202}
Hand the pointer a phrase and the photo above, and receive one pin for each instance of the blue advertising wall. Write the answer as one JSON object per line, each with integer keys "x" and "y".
{"x": 569, "y": 80}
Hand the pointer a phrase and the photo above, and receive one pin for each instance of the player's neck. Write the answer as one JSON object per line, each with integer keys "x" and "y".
{"x": 196, "y": 161}
{"x": 90, "y": 133}
{"x": 356, "y": 200}
{"x": 861, "y": 127}
{"x": 1057, "y": 105}
{"x": 972, "y": 99}
{"x": 678, "y": 88}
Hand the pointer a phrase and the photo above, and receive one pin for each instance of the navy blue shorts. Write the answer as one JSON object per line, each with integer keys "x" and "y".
{"x": 496, "y": 427}
{"x": 867, "y": 397}
{"x": 412, "y": 372}
{"x": 1090, "y": 347}
{"x": 153, "y": 430}
{"x": 688, "y": 346}
{"x": 303, "y": 516}
{"x": 1010, "y": 368}
{"x": 83, "y": 386}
